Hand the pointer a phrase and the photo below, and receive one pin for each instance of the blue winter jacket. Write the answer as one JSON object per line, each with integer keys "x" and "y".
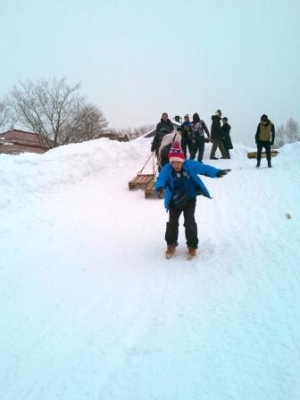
{"x": 193, "y": 184}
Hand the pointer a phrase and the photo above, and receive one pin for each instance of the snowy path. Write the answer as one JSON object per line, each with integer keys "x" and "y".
{"x": 90, "y": 309}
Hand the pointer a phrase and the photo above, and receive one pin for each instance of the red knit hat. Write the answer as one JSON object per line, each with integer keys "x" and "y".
{"x": 176, "y": 153}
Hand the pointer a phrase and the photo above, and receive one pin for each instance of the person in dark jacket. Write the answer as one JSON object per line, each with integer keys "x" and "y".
{"x": 264, "y": 137}
{"x": 185, "y": 128}
{"x": 163, "y": 127}
{"x": 216, "y": 136}
{"x": 179, "y": 183}
{"x": 226, "y": 136}
{"x": 196, "y": 137}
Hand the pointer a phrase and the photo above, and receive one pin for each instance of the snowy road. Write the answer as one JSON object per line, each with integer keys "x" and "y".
{"x": 90, "y": 309}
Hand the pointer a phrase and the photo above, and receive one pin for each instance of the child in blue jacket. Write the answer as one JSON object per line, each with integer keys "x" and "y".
{"x": 180, "y": 184}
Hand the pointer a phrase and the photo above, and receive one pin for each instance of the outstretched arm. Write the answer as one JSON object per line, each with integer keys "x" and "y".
{"x": 273, "y": 134}
{"x": 257, "y": 134}
{"x": 154, "y": 145}
{"x": 206, "y": 129}
{"x": 207, "y": 170}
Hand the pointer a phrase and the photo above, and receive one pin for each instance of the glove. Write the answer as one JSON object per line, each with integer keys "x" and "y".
{"x": 223, "y": 172}
{"x": 271, "y": 143}
{"x": 160, "y": 193}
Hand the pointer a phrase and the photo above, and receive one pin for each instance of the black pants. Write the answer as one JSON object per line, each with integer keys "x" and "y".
{"x": 190, "y": 225}
{"x": 184, "y": 143}
{"x": 197, "y": 144}
{"x": 267, "y": 146}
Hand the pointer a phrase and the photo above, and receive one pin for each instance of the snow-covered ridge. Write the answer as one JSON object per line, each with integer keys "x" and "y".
{"x": 92, "y": 310}
{"x": 66, "y": 165}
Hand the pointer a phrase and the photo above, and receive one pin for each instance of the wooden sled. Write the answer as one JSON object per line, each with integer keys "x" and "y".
{"x": 144, "y": 181}
{"x": 149, "y": 190}
{"x": 141, "y": 180}
{"x": 253, "y": 154}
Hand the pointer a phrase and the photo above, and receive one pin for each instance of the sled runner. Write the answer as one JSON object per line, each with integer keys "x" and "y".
{"x": 149, "y": 190}
{"x": 145, "y": 181}
{"x": 253, "y": 154}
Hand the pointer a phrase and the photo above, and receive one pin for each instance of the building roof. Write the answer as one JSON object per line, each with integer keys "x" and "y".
{"x": 16, "y": 141}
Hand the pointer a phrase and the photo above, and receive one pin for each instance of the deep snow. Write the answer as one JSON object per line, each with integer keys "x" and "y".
{"x": 91, "y": 309}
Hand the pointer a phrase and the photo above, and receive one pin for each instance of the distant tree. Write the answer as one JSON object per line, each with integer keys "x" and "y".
{"x": 280, "y": 136}
{"x": 88, "y": 123}
{"x": 2, "y": 114}
{"x": 142, "y": 130}
{"x": 293, "y": 131}
{"x": 132, "y": 133}
{"x": 288, "y": 133}
{"x": 45, "y": 107}
{"x": 6, "y": 120}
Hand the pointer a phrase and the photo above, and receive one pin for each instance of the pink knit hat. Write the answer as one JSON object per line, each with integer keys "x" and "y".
{"x": 176, "y": 153}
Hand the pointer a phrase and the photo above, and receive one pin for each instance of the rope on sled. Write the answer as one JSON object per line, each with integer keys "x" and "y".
{"x": 153, "y": 165}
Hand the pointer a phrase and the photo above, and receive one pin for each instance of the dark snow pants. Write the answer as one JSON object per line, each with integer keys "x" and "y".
{"x": 195, "y": 145}
{"x": 217, "y": 143}
{"x": 190, "y": 225}
{"x": 267, "y": 146}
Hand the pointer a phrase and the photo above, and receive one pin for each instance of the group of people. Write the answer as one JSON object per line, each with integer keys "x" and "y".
{"x": 178, "y": 180}
{"x": 192, "y": 135}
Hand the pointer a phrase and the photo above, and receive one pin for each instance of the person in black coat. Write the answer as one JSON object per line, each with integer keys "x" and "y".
{"x": 196, "y": 137}
{"x": 185, "y": 128}
{"x": 226, "y": 136}
{"x": 216, "y": 136}
{"x": 162, "y": 128}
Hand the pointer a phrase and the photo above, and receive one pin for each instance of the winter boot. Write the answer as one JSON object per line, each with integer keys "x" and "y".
{"x": 170, "y": 251}
{"x": 269, "y": 164}
{"x": 213, "y": 158}
{"x": 191, "y": 253}
{"x": 258, "y": 163}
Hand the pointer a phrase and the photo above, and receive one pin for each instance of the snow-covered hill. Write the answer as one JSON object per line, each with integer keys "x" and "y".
{"x": 90, "y": 308}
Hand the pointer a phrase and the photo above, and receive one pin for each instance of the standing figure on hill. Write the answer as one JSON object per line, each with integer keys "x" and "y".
{"x": 196, "y": 137}
{"x": 216, "y": 136}
{"x": 164, "y": 127}
{"x": 264, "y": 137}
{"x": 180, "y": 183}
{"x": 226, "y": 136}
{"x": 185, "y": 128}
